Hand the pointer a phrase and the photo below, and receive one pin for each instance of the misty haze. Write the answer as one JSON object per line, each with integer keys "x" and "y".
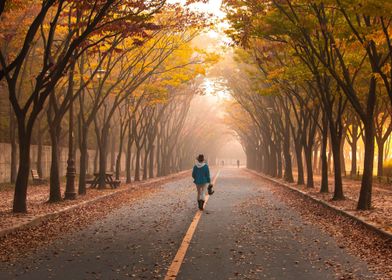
{"x": 214, "y": 139}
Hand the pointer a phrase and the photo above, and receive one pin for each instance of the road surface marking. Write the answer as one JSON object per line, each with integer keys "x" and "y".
{"x": 175, "y": 266}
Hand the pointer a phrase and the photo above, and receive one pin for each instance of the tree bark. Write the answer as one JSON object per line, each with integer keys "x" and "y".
{"x": 151, "y": 162}
{"x": 329, "y": 158}
{"x": 315, "y": 159}
{"x": 14, "y": 147}
{"x": 128, "y": 162}
{"x": 279, "y": 161}
{"x": 336, "y": 141}
{"x": 96, "y": 159}
{"x": 21, "y": 183}
{"x": 309, "y": 166}
{"x": 119, "y": 157}
{"x": 159, "y": 170}
{"x": 137, "y": 164}
{"x": 324, "y": 159}
{"x": 354, "y": 142}
{"x": 103, "y": 155}
{"x": 25, "y": 128}
{"x": 83, "y": 162}
{"x": 365, "y": 196}
{"x": 380, "y": 160}
{"x": 145, "y": 164}
{"x": 55, "y": 191}
{"x": 300, "y": 167}
{"x": 272, "y": 166}
{"x": 288, "y": 170}
{"x": 342, "y": 160}
{"x": 113, "y": 151}
{"x": 39, "y": 150}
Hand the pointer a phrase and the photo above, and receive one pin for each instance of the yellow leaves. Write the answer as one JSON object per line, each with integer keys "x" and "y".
{"x": 276, "y": 73}
{"x": 153, "y": 87}
{"x": 369, "y": 7}
{"x": 200, "y": 69}
{"x": 376, "y": 36}
{"x": 378, "y": 77}
{"x": 386, "y": 68}
{"x": 272, "y": 89}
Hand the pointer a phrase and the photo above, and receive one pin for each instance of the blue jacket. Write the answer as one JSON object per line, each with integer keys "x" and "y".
{"x": 201, "y": 174}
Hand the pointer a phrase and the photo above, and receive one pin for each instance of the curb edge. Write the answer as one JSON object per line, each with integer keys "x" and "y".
{"x": 372, "y": 227}
{"x": 45, "y": 217}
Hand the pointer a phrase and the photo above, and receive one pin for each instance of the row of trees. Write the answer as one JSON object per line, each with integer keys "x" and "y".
{"x": 317, "y": 73}
{"x": 98, "y": 70}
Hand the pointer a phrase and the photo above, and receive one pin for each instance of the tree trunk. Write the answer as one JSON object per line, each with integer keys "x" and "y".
{"x": 324, "y": 159}
{"x": 145, "y": 164}
{"x": 380, "y": 160}
{"x": 159, "y": 170}
{"x": 279, "y": 159}
{"x": 336, "y": 141}
{"x": 342, "y": 161}
{"x": 354, "y": 139}
{"x": 137, "y": 165}
{"x": 309, "y": 167}
{"x": 14, "y": 147}
{"x": 83, "y": 162}
{"x": 96, "y": 158}
{"x": 22, "y": 178}
{"x": 39, "y": 151}
{"x": 273, "y": 160}
{"x": 263, "y": 160}
{"x": 128, "y": 160}
{"x": 120, "y": 150}
{"x": 300, "y": 167}
{"x": 103, "y": 153}
{"x": 128, "y": 163}
{"x": 113, "y": 152}
{"x": 288, "y": 169}
{"x": 365, "y": 196}
{"x": 55, "y": 191}
{"x": 259, "y": 160}
{"x": 151, "y": 162}
{"x": 315, "y": 159}
{"x": 329, "y": 158}
{"x": 118, "y": 161}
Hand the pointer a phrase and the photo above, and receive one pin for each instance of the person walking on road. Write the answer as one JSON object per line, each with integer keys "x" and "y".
{"x": 238, "y": 163}
{"x": 201, "y": 178}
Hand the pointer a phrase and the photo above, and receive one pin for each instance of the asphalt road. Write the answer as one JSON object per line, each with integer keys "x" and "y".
{"x": 245, "y": 232}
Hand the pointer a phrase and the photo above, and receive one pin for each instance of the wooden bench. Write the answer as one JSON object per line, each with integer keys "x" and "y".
{"x": 108, "y": 180}
{"x": 116, "y": 183}
{"x": 36, "y": 179}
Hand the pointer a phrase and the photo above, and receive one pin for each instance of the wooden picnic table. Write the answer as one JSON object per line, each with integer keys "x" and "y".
{"x": 108, "y": 180}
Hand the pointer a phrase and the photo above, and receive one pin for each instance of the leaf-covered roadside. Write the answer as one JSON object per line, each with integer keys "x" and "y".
{"x": 356, "y": 238}
{"x": 381, "y": 213}
{"x": 28, "y": 240}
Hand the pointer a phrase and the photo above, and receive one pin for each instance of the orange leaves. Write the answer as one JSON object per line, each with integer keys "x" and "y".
{"x": 15, "y": 20}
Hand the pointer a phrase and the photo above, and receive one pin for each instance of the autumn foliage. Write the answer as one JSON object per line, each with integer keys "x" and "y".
{"x": 91, "y": 60}
{"x": 323, "y": 71}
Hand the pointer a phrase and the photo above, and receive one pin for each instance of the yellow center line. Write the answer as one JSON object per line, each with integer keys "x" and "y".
{"x": 175, "y": 266}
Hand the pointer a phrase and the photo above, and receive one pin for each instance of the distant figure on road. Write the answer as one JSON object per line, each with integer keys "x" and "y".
{"x": 201, "y": 176}
{"x": 238, "y": 163}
